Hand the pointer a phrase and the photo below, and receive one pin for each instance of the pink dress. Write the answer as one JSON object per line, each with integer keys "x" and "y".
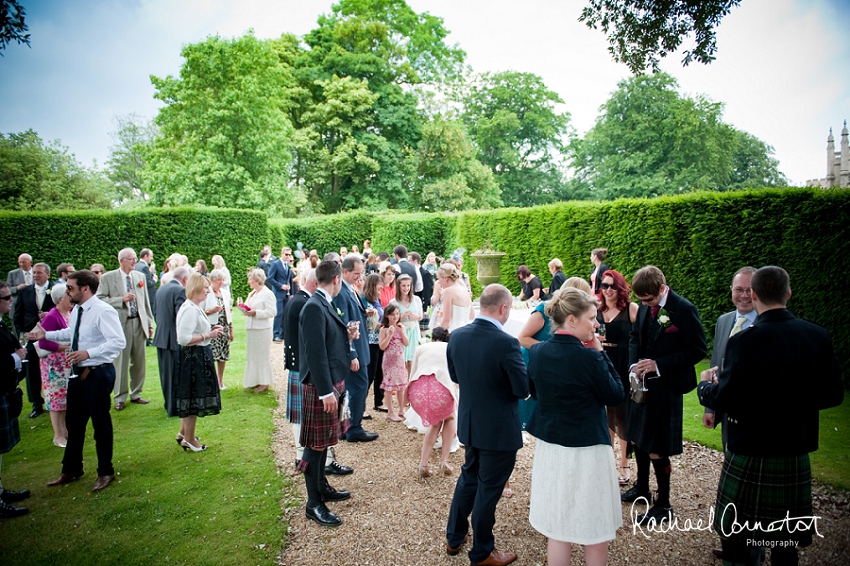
{"x": 395, "y": 374}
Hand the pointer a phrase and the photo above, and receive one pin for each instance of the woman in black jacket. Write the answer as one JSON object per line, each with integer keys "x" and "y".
{"x": 574, "y": 492}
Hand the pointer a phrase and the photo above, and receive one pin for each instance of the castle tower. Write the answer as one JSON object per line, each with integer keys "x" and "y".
{"x": 830, "y": 160}
{"x": 844, "y": 172}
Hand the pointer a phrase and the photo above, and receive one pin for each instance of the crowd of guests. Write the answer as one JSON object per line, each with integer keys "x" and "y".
{"x": 595, "y": 377}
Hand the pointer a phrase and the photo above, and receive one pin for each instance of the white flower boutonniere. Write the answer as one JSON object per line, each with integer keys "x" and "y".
{"x": 47, "y": 291}
{"x": 664, "y": 318}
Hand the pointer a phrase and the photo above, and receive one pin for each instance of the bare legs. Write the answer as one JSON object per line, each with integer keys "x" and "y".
{"x": 559, "y": 553}
{"x": 219, "y": 370}
{"x": 449, "y": 427}
{"x": 388, "y": 401}
{"x": 60, "y": 431}
{"x": 187, "y": 429}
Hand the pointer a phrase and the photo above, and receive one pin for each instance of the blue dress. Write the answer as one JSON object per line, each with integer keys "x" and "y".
{"x": 526, "y": 406}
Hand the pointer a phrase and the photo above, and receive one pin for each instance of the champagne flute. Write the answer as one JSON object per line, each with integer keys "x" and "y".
{"x": 22, "y": 338}
{"x": 601, "y": 332}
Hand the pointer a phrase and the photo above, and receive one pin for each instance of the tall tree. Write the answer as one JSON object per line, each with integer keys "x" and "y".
{"x": 649, "y": 140}
{"x": 35, "y": 176}
{"x": 12, "y": 24}
{"x": 133, "y": 137}
{"x": 640, "y": 32}
{"x": 225, "y": 134}
{"x": 513, "y": 119}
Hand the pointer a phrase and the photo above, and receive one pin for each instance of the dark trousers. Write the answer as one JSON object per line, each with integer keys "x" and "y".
{"x": 277, "y": 332}
{"x": 90, "y": 399}
{"x": 167, "y": 360}
{"x": 357, "y": 385}
{"x": 33, "y": 369}
{"x": 478, "y": 490}
{"x": 735, "y": 553}
{"x": 376, "y": 373}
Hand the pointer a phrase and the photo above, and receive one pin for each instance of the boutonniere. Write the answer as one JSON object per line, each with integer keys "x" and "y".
{"x": 664, "y": 318}
{"x": 47, "y": 291}
{"x": 339, "y": 312}
{"x": 141, "y": 284}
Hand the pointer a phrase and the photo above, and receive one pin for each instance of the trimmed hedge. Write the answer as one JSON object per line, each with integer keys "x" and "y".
{"x": 323, "y": 233}
{"x": 421, "y": 233}
{"x": 83, "y": 238}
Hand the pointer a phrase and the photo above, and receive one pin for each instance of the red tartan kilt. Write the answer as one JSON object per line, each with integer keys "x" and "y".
{"x": 319, "y": 429}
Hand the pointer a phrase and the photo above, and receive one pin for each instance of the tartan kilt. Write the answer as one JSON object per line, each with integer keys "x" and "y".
{"x": 293, "y": 398}
{"x": 765, "y": 490}
{"x": 10, "y": 434}
{"x": 319, "y": 429}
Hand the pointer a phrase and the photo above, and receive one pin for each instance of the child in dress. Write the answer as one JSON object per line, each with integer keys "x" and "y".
{"x": 392, "y": 339}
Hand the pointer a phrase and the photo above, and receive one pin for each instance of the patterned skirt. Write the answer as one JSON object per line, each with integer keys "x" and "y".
{"x": 55, "y": 370}
{"x": 319, "y": 429}
{"x": 194, "y": 390}
{"x": 221, "y": 345}
{"x": 293, "y": 398}
{"x": 754, "y": 489}
{"x": 10, "y": 434}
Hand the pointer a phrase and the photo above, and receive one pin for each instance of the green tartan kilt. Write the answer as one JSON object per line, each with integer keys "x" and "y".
{"x": 763, "y": 490}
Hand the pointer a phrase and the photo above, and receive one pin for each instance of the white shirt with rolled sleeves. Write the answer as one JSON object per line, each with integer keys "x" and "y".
{"x": 101, "y": 334}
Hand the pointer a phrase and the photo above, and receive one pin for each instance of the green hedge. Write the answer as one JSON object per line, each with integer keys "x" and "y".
{"x": 323, "y": 233}
{"x": 421, "y": 233}
{"x": 83, "y": 238}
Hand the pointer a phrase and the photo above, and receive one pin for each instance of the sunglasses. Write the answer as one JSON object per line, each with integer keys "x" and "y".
{"x": 606, "y": 286}
{"x": 6, "y": 298}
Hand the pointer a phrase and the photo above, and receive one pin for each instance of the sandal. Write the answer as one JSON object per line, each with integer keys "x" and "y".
{"x": 625, "y": 479}
{"x": 424, "y": 472}
{"x": 445, "y": 468}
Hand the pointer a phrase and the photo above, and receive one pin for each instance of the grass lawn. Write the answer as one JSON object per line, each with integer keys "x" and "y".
{"x": 166, "y": 506}
{"x": 830, "y": 464}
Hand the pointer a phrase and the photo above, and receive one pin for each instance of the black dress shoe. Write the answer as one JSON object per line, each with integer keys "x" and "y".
{"x": 36, "y": 410}
{"x": 13, "y": 496}
{"x": 331, "y": 494}
{"x": 322, "y": 515}
{"x": 367, "y": 417}
{"x": 364, "y": 436}
{"x": 337, "y": 469}
{"x": 658, "y": 513}
{"x": 381, "y": 409}
{"x": 634, "y": 493}
{"x": 10, "y": 511}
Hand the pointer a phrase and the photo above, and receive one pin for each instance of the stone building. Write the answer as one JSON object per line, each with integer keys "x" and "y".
{"x": 837, "y": 163}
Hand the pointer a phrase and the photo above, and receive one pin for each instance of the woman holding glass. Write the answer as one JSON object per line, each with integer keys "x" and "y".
{"x": 219, "y": 309}
{"x": 260, "y": 312}
{"x": 55, "y": 369}
{"x": 574, "y": 492}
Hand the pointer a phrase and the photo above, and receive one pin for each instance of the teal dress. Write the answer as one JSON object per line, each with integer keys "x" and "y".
{"x": 526, "y": 406}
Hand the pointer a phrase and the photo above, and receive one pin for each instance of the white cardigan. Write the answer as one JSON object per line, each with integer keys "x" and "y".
{"x": 210, "y": 303}
{"x": 264, "y": 302}
{"x": 191, "y": 320}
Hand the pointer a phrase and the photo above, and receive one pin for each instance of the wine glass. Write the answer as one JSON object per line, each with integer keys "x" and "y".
{"x": 22, "y": 338}
{"x": 601, "y": 332}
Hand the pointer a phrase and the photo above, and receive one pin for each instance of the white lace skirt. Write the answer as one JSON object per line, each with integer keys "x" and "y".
{"x": 574, "y": 493}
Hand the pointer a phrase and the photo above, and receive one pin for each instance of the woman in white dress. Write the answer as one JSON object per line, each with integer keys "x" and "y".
{"x": 262, "y": 308}
{"x": 456, "y": 305}
{"x": 574, "y": 493}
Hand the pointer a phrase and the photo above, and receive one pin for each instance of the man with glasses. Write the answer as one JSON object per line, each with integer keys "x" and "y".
{"x": 125, "y": 289}
{"x": 97, "y": 269}
{"x": 282, "y": 280}
{"x": 666, "y": 341}
{"x": 31, "y": 305}
{"x": 17, "y": 280}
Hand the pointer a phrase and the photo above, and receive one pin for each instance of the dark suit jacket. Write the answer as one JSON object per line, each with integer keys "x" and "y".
{"x": 327, "y": 360}
{"x": 145, "y": 269}
{"x": 352, "y": 310}
{"x": 778, "y": 375}
{"x": 602, "y": 269}
{"x": 407, "y": 268}
{"x": 26, "y": 308}
{"x": 9, "y": 376}
{"x": 572, "y": 385}
{"x": 290, "y": 329}
{"x": 281, "y": 275}
{"x": 559, "y": 279}
{"x": 168, "y": 302}
{"x": 487, "y": 363}
{"x": 427, "y": 288}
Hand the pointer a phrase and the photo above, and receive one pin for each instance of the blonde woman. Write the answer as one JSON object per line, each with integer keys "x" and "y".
{"x": 456, "y": 306}
{"x": 260, "y": 312}
{"x": 219, "y": 309}
{"x": 218, "y": 263}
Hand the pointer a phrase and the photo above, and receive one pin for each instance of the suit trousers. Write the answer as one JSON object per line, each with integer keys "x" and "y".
{"x": 167, "y": 360}
{"x": 479, "y": 487}
{"x": 130, "y": 361}
{"x": 89, "y": 399}
{"x": 357, "y": 385}
{"x": 33, "y": 371}
{"x": 278, "y": 318}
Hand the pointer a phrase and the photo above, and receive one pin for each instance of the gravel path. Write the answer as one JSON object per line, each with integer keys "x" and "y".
{"x": 394, "y": 518}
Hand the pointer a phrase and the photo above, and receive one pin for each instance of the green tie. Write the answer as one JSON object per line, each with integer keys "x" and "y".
{"x": 75, "y": 341}
{"x": 739, "y": 326}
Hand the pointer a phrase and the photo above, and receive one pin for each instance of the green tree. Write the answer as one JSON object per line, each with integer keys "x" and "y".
{"x": 225, "y": 134}
{"x": 513, "y": 119}
{"x": 12, "y": 24}
{"x": 753, "y": 165}
{"x": 450, "y": 177}
{"x": 35, "y": 176}
{"x": 133, "y": 137}
{"x": 640, "y": 32}
{"x": 649, "y": 140}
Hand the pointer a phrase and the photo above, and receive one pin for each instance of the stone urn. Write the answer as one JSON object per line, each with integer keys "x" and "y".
{"x": 488, "y": 266}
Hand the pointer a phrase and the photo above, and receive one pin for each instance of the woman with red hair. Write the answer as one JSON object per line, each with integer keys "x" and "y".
{"x": 616, "y": 315}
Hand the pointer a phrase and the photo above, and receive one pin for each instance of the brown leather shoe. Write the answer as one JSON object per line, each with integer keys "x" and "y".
{"x": 139, "y": 401}
{"x": 65, "y": 478}
{"x": 454, "y": 551}
{"x": 102, "y": 482}
{"x": 497, "y": 558}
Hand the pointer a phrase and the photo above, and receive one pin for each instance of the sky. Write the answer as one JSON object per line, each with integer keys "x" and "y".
{"x": 782, "y": 67}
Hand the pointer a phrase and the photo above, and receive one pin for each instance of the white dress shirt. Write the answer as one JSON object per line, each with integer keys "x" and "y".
{"x": 101, "y": 334}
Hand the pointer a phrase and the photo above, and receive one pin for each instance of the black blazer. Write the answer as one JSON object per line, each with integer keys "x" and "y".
{"x": 602, "y": 269}
{"x": 557, "y": 280}
{"x": 26, "y": 308}
{"x": 572, "y": 385}
{"x": 487, "y": 363}
{"x": 290, "y": 329}
{"x": 9, "y": 376}
{"x": 427, "y": 288}
{"x": 323, "y": 349}
{"x": 408, "y": 268}
{"x": 778, "y": 375}
{"x": 353, "y": 311}
{"x": 168, "y": 301}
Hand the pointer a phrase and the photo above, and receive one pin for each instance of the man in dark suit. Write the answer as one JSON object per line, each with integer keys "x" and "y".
{"x": 427, "y": 280}
{"x": 357, "y": 381}
{"x": 11, "y": 366}
{"x": 487, "y": 363}
{"x": 169, "y": 300}
{"x": 728, "y": 325}
{"x": 282, "y": 278}
{"x": 144, "y": 266}
{"x": 32, "y": 302}
{"x": 403, "y": 265}
{"x": 324, "y": 361}
{"x": 776, "y": 378}
{"x": 666, "y": 341}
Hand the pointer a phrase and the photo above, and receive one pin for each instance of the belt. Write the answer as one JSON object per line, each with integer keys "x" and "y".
{"x": 85, "y": 371}
{"x": 129, "y": 317}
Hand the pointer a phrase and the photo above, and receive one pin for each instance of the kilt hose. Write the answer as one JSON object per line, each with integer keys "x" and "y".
{"x": 756, "y": 489}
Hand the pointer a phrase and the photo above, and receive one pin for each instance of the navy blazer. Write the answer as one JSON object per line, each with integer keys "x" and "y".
{"x": 280, "y": 274}
{"x": 323, "y": 345}
{"x": 487, "y": 364}
{"x": 572, "y": 385}
{"x": 353, "y": 311}
{"x": 777, "y": 376}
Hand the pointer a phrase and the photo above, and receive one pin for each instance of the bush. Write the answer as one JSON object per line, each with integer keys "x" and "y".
{"x": 422, "y": 233}
{"x": 323, "y": 233}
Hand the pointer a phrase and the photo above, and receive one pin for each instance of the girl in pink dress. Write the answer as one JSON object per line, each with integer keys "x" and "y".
{"x": 392, "y": 339}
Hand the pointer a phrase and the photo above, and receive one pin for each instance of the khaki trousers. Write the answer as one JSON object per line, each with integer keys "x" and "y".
{"x": 131, "y": 361}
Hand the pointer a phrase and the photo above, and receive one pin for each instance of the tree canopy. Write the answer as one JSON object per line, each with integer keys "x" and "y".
{"x": 12, "y": 24}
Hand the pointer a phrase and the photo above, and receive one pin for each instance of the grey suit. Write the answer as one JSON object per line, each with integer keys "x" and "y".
{"x": 169, "y": 299}
{"x": 722, "y": 330}
{"x": 15, "y": 278}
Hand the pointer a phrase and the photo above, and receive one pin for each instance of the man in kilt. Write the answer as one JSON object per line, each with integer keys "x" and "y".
{"x": 777, "y": 376}
{"x": 324, "y": 362}
{"x": 12, "y": 357}
{"x": 307, "y": 284}
{"x": 665, "y": 343}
